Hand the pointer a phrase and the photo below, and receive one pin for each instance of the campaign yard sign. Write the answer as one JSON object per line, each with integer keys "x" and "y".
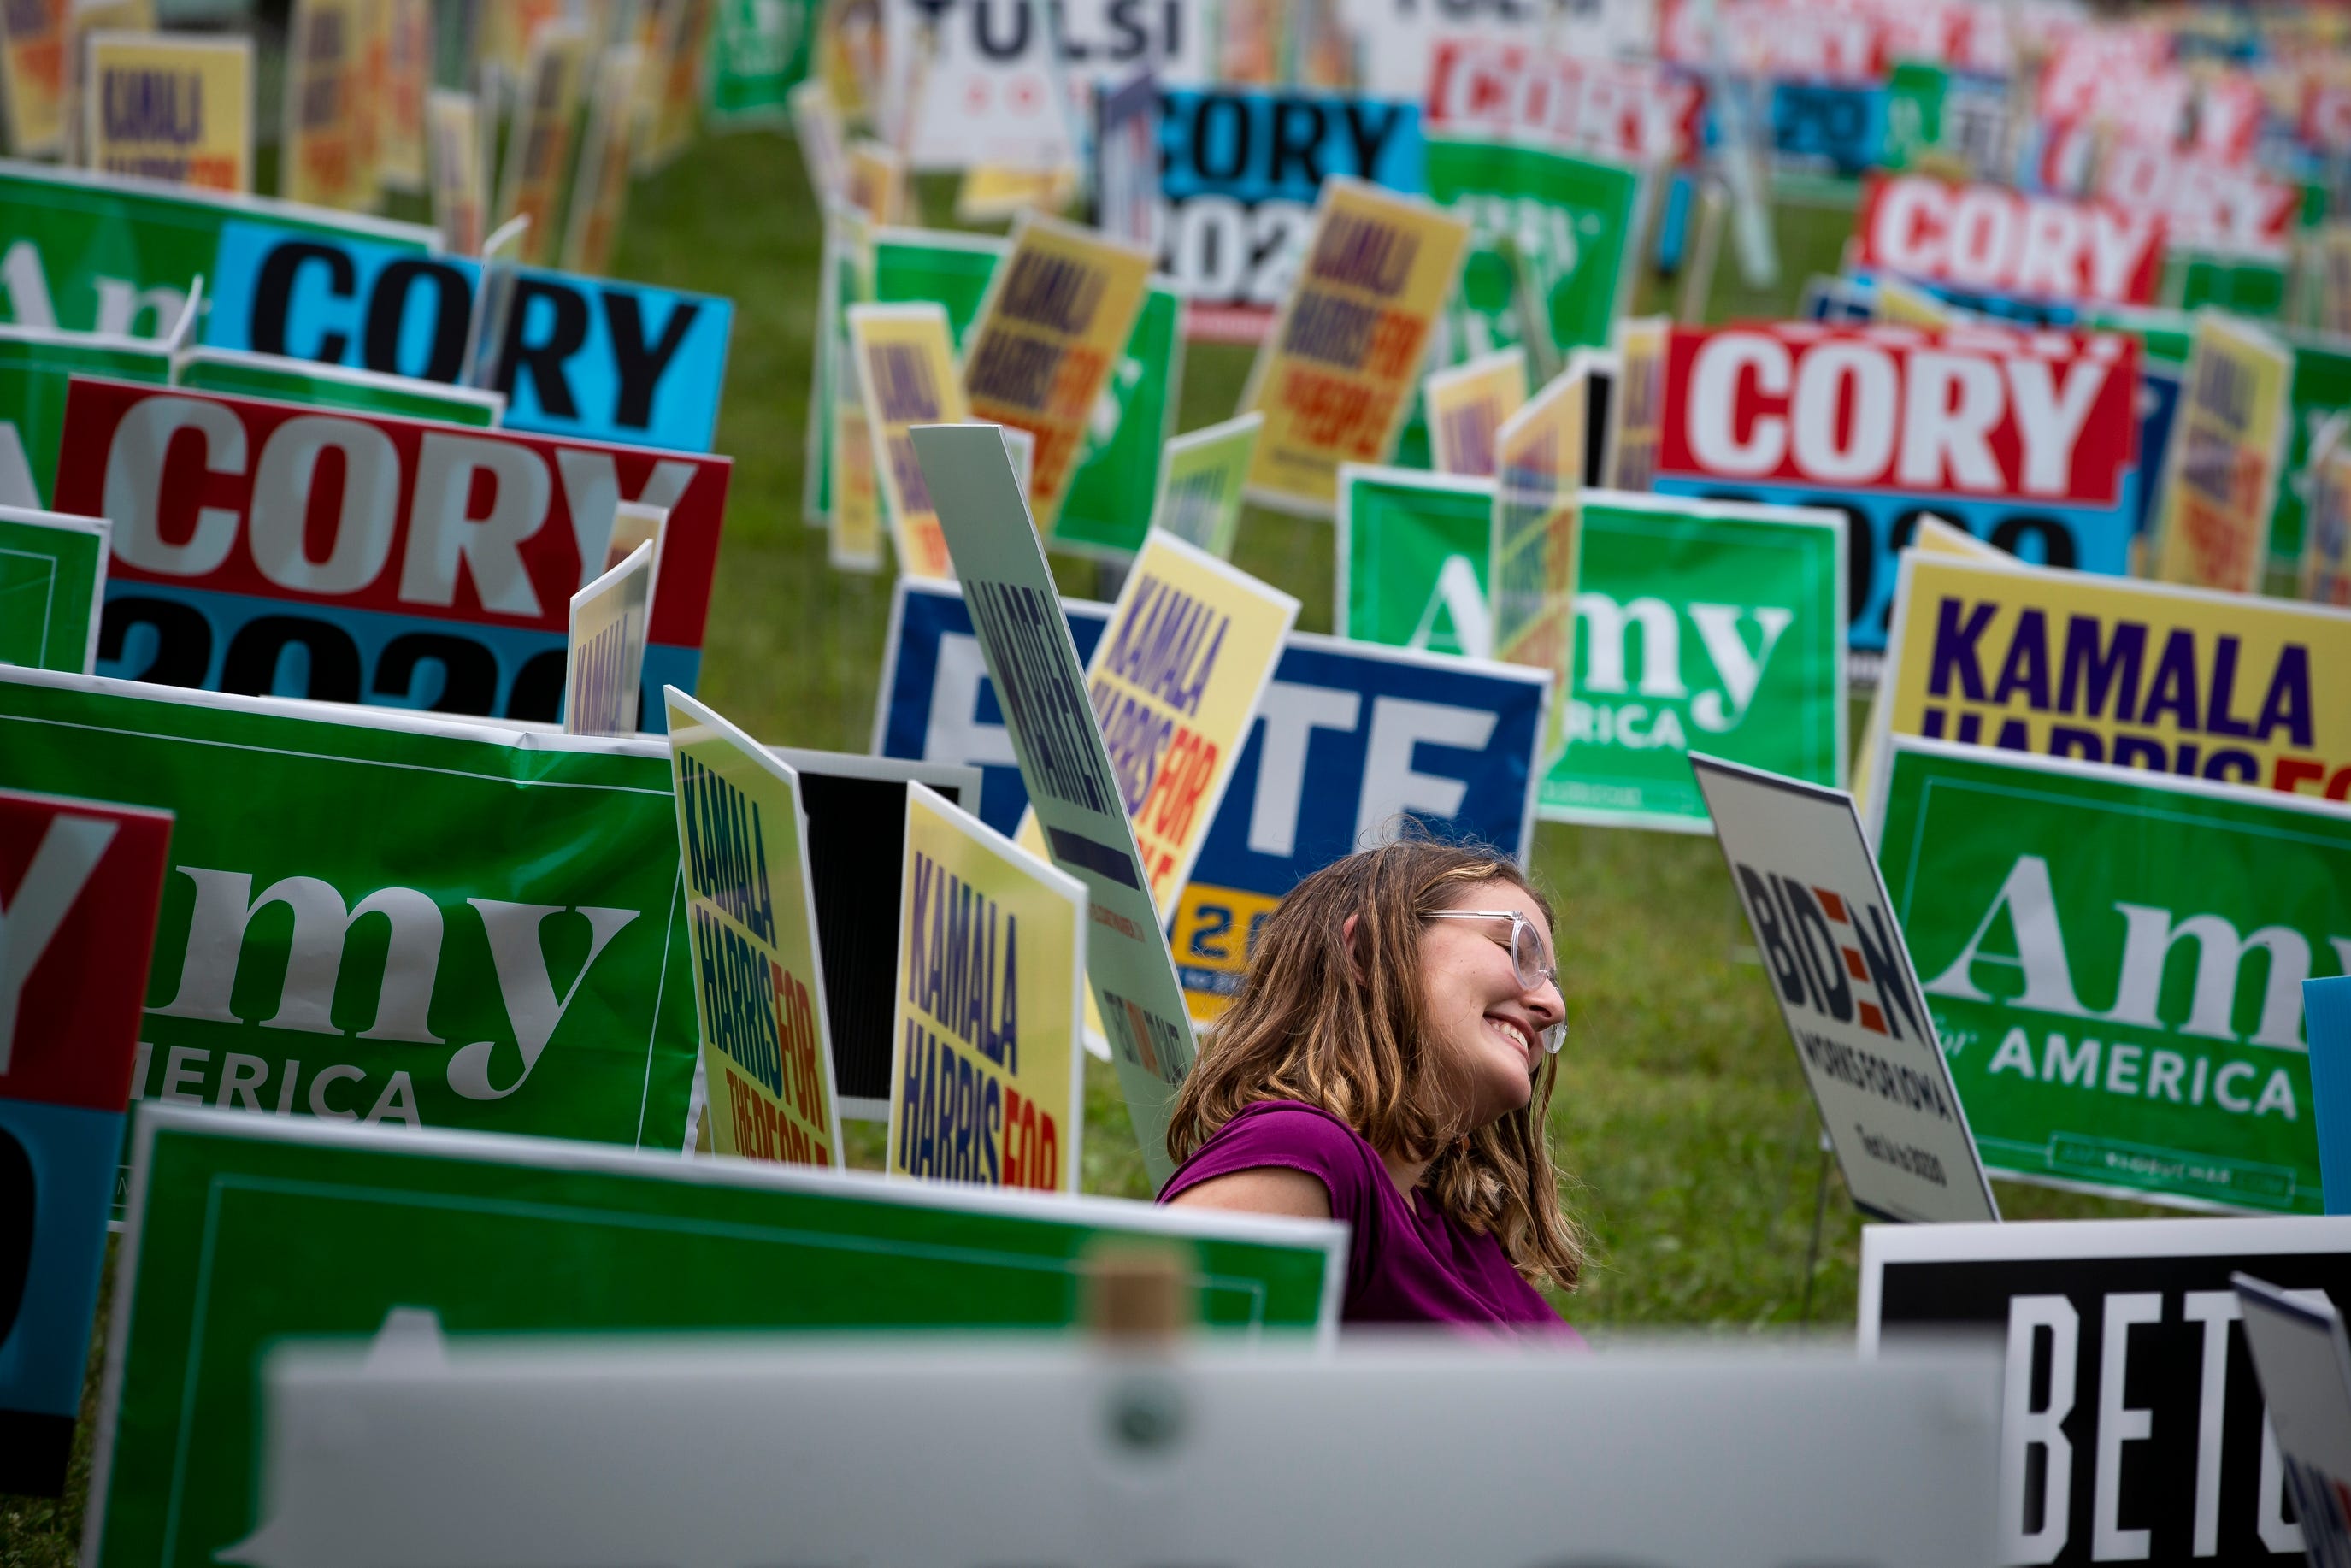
{"x": 1199, "y": 497}
{"x": 248, "y": 375}
{"x": 1239, "y": 172}
{"x": 169, "y": 107}
{"x": 1542, "y": 453}
{"x": 2221, "y": 686}
{"x": 1468, "y": 406}
{"x": 594, "y": 358}
{"x": 604, "y": 652}
{"x": 1706, "y": 626}
{"x": 1411, "y": 558}
{"x": 1349, "y": 738}
{"x": 80, "y": 883}
{"x": 1082, "y": 803}
{"x": 1848, "y": 993}
{"x": 2032, "y": 890}
{"x": 444, "y": 582}
{"x": 989, "y": 1079}
{"x": 37, "y": 363}
{"x": 2212, "y": 527}
{"x": 2132, "y": 1426}
{"x": 2305, "y": 1363}
{"x": 1999, "y": 240}
{"x": 529, "y": 1235}
{"x": 750, "y": 904}
{"x": 1635, "y": 110}
{"x": 2028, "y": 440}
{"x": 501, "y": 945}
{"x": 52, "y": 576}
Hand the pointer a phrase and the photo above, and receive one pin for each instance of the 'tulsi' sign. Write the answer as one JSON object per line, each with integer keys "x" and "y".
{"x": 2028, "y": 439}
{"x": 2003, "y": 241}
{"x": 383, "y": 547}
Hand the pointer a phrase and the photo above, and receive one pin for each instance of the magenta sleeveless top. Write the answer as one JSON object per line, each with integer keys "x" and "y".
{"x": 1407, "y": 1261}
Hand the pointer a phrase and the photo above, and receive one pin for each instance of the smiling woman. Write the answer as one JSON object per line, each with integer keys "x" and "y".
{"x": 1388, "y": 1063}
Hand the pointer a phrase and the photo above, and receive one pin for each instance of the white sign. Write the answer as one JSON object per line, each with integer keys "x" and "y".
{"x": 1843, "y": 975}
{"x": 604, "y": 654}
{"x": 2304, "y": 1364}
{"x": 617, "y": 1453}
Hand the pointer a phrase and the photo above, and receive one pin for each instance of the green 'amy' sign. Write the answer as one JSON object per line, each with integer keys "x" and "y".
{"x": 1410, "y": 561}
{"x": 1699, "y": 625}
{"x": 34, "y": 366}
{"x": 2115, "y": 962}
{"x": 52, "y": 576}
{"x": 246, "y": 1230}
{"x": 1550, "y": 235}
{"x": 243, "y": 374}
{"x": 1108, "y": 509}
{"x": 397, "y": 919}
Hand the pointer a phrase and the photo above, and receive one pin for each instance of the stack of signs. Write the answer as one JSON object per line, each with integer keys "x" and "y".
{"x": 177, "y": 109}
{"x": 1552, "y": 242}
{"x": 445, "y": 578}
{"x": 2028, "y": 440}
{"x": 52, "y": 575}
{"x": 522, "y": 1235}
{"x": 1349, "y": 736}
{"x": 1240, "y": 170}
{"x": 526, "y": 974}
{"x": 1411, "y": 560}
{"x": 1978, "y": 238}
{"x": 1818, "y": 910}
{"x": 1051, "y": 333}
{"x": 767, "y": 1051}
{"x": 988, "y": 1083}
{"x": 2033, "y": 889}
{"x": 1079, "y": 802}
{"x": 2212, "y": 529}
{"x": 80, "y": 883}
{"x": 594, "y": 360}
{"x": 1740, "y": 651}
{"x": 2132, "y": 1423}
{"x": 1334, "y": 376}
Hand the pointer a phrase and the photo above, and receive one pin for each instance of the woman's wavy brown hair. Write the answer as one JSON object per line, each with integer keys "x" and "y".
{"x": 1340, "y": 1030}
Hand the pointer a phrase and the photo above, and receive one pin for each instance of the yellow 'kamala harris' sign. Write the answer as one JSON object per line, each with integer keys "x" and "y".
{"x": 1468, "y": 406}
{"x": 33, "y": 75}
{"x": 903, "y": 360}
{"x": 987, "y": 1058}
{"x": 2222, "y": 469}
{"x": 2221, "y": 686}
{"x": 324, "y": 161}
{"x": 767, "y": 1051}
{"x": 1335, "y": 375}
{"x": 170, "y": 107}
{"x": 1537, "y": 495}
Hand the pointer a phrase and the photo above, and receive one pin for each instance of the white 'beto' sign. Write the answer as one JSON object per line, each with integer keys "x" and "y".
{"x": 1849, "y": 992}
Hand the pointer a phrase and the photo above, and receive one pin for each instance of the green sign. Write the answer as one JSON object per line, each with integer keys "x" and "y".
{"x": 1699, "y": 626}
{"x": 247, "y": 1230}
{"x": 1411, "y": 560}
{"x": 1109, "y": 504}
{"x": 388, "y": 918}
{"x": 243, "y": 374}
{"x": 2318, "y": 402}
{"x": 1914, "y": 111}
{"x": 847, "y": 281}
{"x": 758, "y": 53}
{"x": 34, "y": 366}
{"x": 2250, "y": 286}
{"x": 97, "y": 256}
{"x": 2115, "y": 961}
{"x": 52, "y": 571}
{"x": 1550, "y": 238}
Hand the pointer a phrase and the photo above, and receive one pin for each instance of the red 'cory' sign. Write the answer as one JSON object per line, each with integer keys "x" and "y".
{"x": 2003, "y": 241}
{"x": 1628, "y": 110}
{"x": 1968, "y": 411}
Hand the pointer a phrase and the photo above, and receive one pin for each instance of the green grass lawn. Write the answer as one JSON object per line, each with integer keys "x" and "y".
{"x": 1681, "y": 1113}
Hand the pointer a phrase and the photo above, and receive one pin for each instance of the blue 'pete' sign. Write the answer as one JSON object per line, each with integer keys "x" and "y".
{"x": 581, "y": 357}
{"x": 1348, "y": 736}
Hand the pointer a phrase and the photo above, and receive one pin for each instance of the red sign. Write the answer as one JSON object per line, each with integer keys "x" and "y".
{"x": 2209, "y": 204}
{"x": 371, "y": 512}
{"x": 2003, "y": 241}
{"x": 1969, "y": 411}
{"x": 80, "y": 885}
{"x": 1619, "y": 107}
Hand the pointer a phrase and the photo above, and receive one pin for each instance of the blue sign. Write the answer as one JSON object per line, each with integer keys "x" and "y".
{"x": 576, "y": 356}
{"x": 1349, "y": 736}
{"x": 1826, "y": 122}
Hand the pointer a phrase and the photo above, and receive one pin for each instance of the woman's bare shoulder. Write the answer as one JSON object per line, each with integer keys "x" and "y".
{"x": 1260, "y": 1189}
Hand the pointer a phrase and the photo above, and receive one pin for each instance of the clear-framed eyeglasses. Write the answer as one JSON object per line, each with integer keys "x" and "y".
{"x": 1528, "y": 956}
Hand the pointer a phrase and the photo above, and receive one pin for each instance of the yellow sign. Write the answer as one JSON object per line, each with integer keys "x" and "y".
{"x": 1467, "y": 407}
{"x": 84, "y": 19}
{"x": 406, "y": 27}
{"x": 2220, "y": 476}
{"x": 1052, "y": 328}
{"x": 853, "y": 531}
{"x": 2221, "y": 686}
{"x": 991, "y": 192}
{"x": 170, "y": 107}
{"x": 604, "y": 654}
{"x": 504, "y": 31}
{"x": 1934, "y": 537}
{"x": 903, "y": 360}
{"x": 1636, "y": 409}
{"x": 539, "y": 147}
{"x": 1175, "y": 683}
{"x": 322, "y": 161}
{"x": 2327, "y": 532}
{"x": 985, "y": 1056}
{"x": 33, "y": 63}
{"x": 767, "y": 1048}
{"x": 1201, "y": 478}
{"x": 600, "y": 195}
{"x": 877, "y": 182}
{"x": 461, "y": 159}
{"x": 1900, "y": 303}
{"x": 678, "y": 72}
{"x": 1334, "y": 376}
{"x": 1538, "y": 495}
